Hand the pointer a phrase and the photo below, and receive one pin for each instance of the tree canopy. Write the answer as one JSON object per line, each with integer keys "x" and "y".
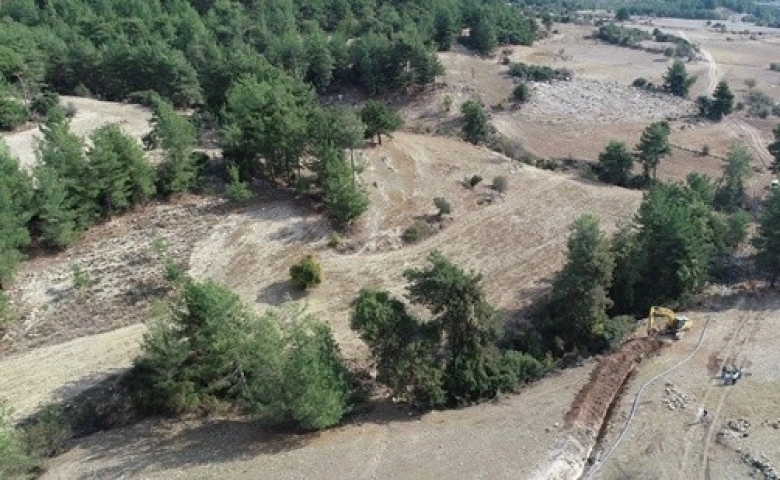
{"x": 677, "y": 81}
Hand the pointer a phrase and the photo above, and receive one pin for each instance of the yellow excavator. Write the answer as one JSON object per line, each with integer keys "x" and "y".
{"x": 675, "y": 324}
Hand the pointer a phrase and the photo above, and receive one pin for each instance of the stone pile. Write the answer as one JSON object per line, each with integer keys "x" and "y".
{"x": 674, "y": 399}
{"x": 760, "y": 466}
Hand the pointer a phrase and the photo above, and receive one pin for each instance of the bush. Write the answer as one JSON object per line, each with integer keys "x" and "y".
{"x": 334, "y": 240}
{"x": 173, "y": 271}
{"x": 237, "y": 190}
{"x": 6, "y": 315}
{"x": 538, "y": 73}
{"x": 307, "y": 273}
{"x": 474, "y": 181}
{"x": 774, "y": 66}
{"x": 12, "y": 113}
{"x": 81, "y": 278}
{"x": 44, "y": 102}
{"x": 640, "y": 82}
{"x": 500, "y": 184}
{"x": 15, "y": 462}
{"x": 442, "y": 205}
{"x": 47, "y": 435}
{"x": 705, "y": 150}
{"x": 521, "y": 93}
{"x": 417, "y": 232}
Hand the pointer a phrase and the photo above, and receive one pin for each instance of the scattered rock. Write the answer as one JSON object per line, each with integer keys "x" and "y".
{"x": 760, "y": 466}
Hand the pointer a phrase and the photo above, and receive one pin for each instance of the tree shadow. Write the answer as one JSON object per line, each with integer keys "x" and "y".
{"x": 151, "y": 445}
{"x": 280, "y": 292}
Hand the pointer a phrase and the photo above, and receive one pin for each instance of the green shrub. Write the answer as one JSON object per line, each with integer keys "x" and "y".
{"x": 774, "y": 66}
{"x": 12, "y": 113}
{"x": 44, "y": 102}
{"x": 15, "y": 462}
{"x": 500, "y": 184}
{"x": 81, "y": 278}
{"x": 6, "y": 314}
{"x": 173, "y": 271}
{"x": 474, "y": 181}
{"x": 47, "y": 435}
{"x": 237, "y": 190}
{"x": 417, "y": 232}
{"x": 640, "y": 82}
{"x": 521, "y": 93}
{"x": 442, "y": 205}
{"x": 538, "y": 73}
{"x": 307, "y": 273}
{"x": 334, "y": 240}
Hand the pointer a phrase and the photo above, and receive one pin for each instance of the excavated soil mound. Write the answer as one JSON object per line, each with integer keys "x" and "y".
{"x": 592, "y": 403}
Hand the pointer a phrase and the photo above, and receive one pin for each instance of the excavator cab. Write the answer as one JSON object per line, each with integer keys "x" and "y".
{"x": 674, "y": 324}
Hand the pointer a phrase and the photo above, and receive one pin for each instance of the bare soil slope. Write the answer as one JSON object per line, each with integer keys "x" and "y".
{"x": 90, "y": 115}
{"x": 517, "y": 241}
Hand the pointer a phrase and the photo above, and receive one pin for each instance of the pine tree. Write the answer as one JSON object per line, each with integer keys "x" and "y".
{"x": 475, "y": 128}
{"x": 58, "y": 220}
{"x": 676, "y": 80}
{"x": 343, "y": 199}
{"x": 730, "y": 194}
{"x": 380, "y": 119}
{"x": 774, "y": 149}
{"x": 723, "y": 101}
{"x": 579, "y": 300}
{"x": 615, "y": 164}
{"x": 176, "y": 136}
{"x": 62, "y": 153}
{"x": 767, "y": 239}
{"x": 653, "y": 146}
{"x": 16, "y": 209}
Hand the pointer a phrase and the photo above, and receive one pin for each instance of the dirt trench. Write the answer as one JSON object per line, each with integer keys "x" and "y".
{"x": 591, "y": 408}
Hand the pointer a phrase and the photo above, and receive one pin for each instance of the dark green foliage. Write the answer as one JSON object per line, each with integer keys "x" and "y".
{"x": 474, "y": 180}
{"x": 236, "y": 189}
{"x": 44, "y": 102}
{"x": 665, "y": 256}
{"x": 639, "y": 82}
{"x": 622, "y": 14}
{"x": 482, "y": 37}
{"x": 720, "y": 105}
{"x": 209, "y": 347}
{"x": 521, "y": 93}
{"x": 442, "y": 205}
{"x": 403, "y": 347}
{"x": 730, "y": 194}
{"x": 66, "y": 204}
{"x": 653, "y": 146}
{"x": 538, "y": 73}
{"x": 175, "y": 135}
{"x": 16, "y": 193}
{"x": 265, "y": 126}
{"x": 344, "y": 200}
{"x": 445, "y": 28}
{"x": 307, "y": 273}
{"x": 475, "y": 128}
{"x": 774, "y": 149}
{"x": 677, "y": 81}
{"x": 615, "y": 164}
{"x": 13, "y": 113}
{"x": 624, "y": 36}
{"x": 379, "y": 119}
{"x": 122, "y": 175}
{"x": 578, "y": 303}
{"x": 767, "y": 239}
{"x": 449, "y": 359}
{"x": 774, "y": 66}
{"x": 315, "y": 380}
